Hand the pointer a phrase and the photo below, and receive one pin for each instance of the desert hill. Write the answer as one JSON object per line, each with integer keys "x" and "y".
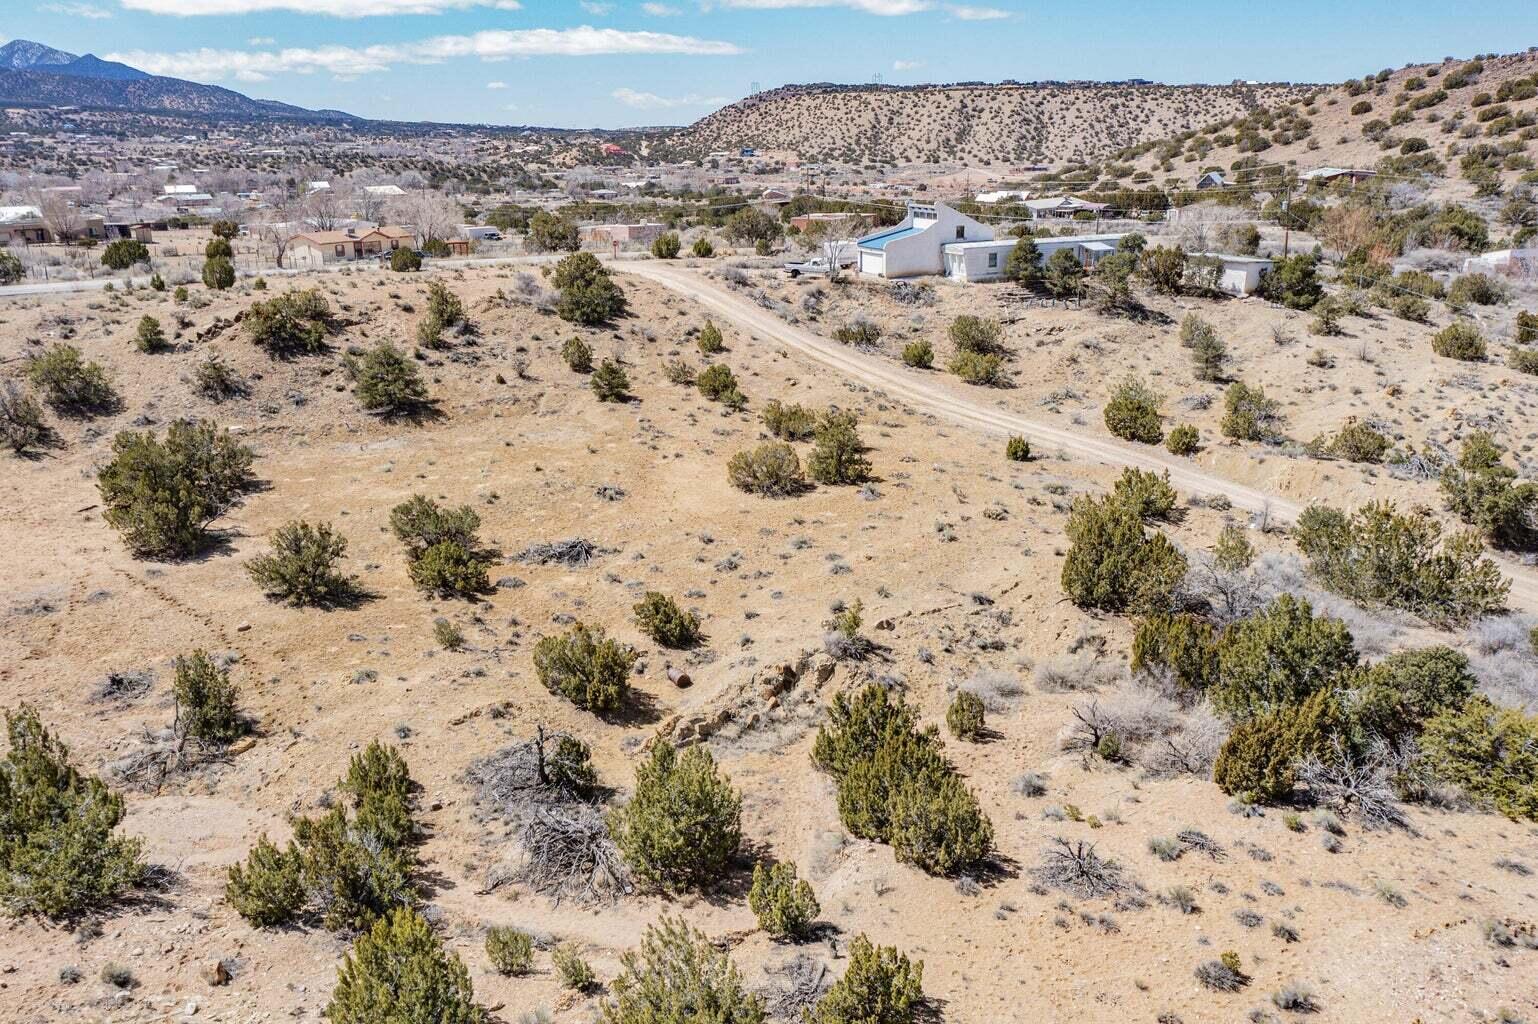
{"x": 972, "y": 123}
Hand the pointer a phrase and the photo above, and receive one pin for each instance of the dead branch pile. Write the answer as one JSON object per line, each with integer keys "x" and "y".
{"x": 1200, "y": 842}
{"x": 569, "y": 855}
{"x": 1077, "y": 869}
{"x": 1362, "y": 789}
{"x": 799, "y": 984}
{"x": 573, "y": 552}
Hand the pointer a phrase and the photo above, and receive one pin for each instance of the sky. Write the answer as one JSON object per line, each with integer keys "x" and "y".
{"x": 619, "y": 63}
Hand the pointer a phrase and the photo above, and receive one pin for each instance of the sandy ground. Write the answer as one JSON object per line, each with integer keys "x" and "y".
{"x": 957, "y": 550}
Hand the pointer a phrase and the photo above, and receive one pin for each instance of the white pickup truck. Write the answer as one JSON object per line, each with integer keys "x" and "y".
{"x": 817, "y": 265}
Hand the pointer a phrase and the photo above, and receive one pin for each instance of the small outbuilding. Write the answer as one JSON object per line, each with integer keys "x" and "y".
{"x": 1237, "y": 275}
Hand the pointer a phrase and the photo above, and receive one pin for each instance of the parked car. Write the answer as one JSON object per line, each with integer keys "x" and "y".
{"x": 817, "y": 265}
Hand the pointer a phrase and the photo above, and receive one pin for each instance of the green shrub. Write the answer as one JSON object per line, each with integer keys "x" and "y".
{"x": 450, "y": 570}
{"x": 206, "y": 701}
{"x": 1132, "y": 413}
{"x": 975, "y": 334}
{"x": 181, "y": 294}
{"x": 857, "y": 332}
{"x": 589, "y": 295}
{"x": 1146, "y": 493}
{"x": 1459, "y": 340}
{"x": 1208, "y": 356}
{"x": 11, "y": 268}
{"x": 291, "y": 324}
{"x": 1359, "y": 442}
{"x": 302, "y": 568}
{"x": 219, "y": 247}
{"x": 839, "y": 455}
{"x": 586, "y": 667}
{"x": 218, "y": 273}
{"x": 157, "y": 283}
{"x": 965, "y": 717}
{"x": 1023, "y": 264}
{"x": 1527, "y": 327}
{"x": 684, "y": 824}
{"x": 666, "y": 246}
{"x": 789, "y": 422}
{"x": 387, "y": 382}
{"x": 1113, "y": 564}
{"x": 1327, "y": 315}
{"x": 1378, "y": 557}
{"x": 716, "y": 382}
{"x": 610, "y": 383}
{"x": 448, "y": 635}
{"x": 1259, "y": 759}
{"x": 149, "y": 337}
{"x": 550, "y": 232}
{"x": 573, "y": 971}
{"x": 1477, "y": 290}
{"x": 58, "y": 854}
{"x": 351, "y": 871}
{"x": 1483, "y": 492}
{"x": 1396, "y": 697}
{"x": 1063, "y": 274}
{"x": 1293, "y": 282}
{"x": 881, "y": 986}
{"x": 784, "y": 904}
{"x": 268, "y": 890}
{"x": 1523, "y": 360}
{"x": 400, "y": 973}
{"x": 1017, "y": 449}
{"x": 1490, "y": 752}
{"x": 1165, "y": 268}
{"x": 669, "y": 625}
{"x": 919, "y": 354}
{"x": 702, "y": 248}
{"x": 22, "y": 427}
{"x": 444, "y": 310}
{"x": 679, "y": 975}
{"x": 70, "y": 384}
{"x": 163, "y": 495}
{"x": 510, "y": 951}
{"x": 710, "y": 341}
{"x": 1248, "y": 415}
{"x": 1280, "y": 656}
{"x": 771, "y": 470}
{"x": 1184, "y": 439}
{"x": 577, "y": 355}
{"x": 405, "y": 261}
{"x": 1181, "y": 645}
{"x": 420, "y": 523}
{"x": 1412, "y": 308}
{"x": 985, "y": 370}
{"x": 895, "y": 785}
{"x": 215, "y": 381}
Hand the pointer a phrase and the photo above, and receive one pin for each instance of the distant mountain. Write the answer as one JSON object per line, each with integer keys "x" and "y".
{"x": 92, "y": 66}
{"x": 21, "y": 54}
{"x": 36, "y": 75}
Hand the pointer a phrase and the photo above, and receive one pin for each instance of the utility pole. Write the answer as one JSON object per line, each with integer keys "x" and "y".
{"x": 1287, "y": 221}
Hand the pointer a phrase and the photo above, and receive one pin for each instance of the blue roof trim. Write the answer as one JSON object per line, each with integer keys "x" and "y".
{"x": 880, "y": 241}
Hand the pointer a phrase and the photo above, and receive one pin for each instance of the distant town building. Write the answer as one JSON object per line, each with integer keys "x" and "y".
{"x": 608, "y": 234}
{"x": 312, "y": 249}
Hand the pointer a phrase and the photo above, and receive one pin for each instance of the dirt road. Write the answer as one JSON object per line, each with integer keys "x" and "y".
{"x": 935, "y": 393}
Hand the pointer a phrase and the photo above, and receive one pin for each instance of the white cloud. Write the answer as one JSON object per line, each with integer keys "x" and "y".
{"x": 966, "y": 12}
{"x": 661, "y": 10}
{"x": 334, "y": 8}
{"x": 596, "y": 9}
{"x": 907, "y": 65}
{"x": 496, "y": 85}
{"x": 651, "y": 101}
{"x": 885, "y": 8}
{"x": 260, "y": 41}
{"x": 77, "y": 10}
{"x": 211, "y": 65}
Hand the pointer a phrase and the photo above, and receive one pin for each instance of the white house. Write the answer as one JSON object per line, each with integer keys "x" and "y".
{"x": 983, "y": 260}
{"x": 1062, "y": 206}
{"x": 384, "y": 191}
{"x": 1508, "y": 262}
{"x": 1090, "y": 249}
{"x": 1006, "y": 195}
{"x": 23, "y": 224}
{"x": 1238, "y": 275}
{"x": 916, "y": 246}
{"x": 1354, "y": 175}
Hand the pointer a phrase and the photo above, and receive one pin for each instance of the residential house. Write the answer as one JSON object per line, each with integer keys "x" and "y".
{"x": 833, "y": 222}
{"x": 384, "y": 191}
{"x": 1519, "y": 263}
{"x": 23, "y": 225}
{"x": 1237, "y": 275}
{"x": 1005, "y": 195}
{"x": 313, "y": 249}
{"x": 916, "y": 246}
{"x": 623, "y": 234}
{"x": 1210, "y": 179}
{"x": 979, "y": 261}
{"x": 1327, "y": 175}
{"x": 1061, "y": 207}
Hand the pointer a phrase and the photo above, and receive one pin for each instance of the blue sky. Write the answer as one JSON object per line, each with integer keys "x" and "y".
{"x": 612, "y": 63}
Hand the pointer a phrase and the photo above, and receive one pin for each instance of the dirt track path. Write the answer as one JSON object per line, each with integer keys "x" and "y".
{"x": 932, "y": 392}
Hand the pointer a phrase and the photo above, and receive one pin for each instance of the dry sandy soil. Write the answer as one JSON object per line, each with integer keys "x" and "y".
{"x": 955, "y": 552}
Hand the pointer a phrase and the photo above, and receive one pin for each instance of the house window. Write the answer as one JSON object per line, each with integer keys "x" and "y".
{"x": 341, "y": 251}
{"x": 961, "y": 231}
{"x": 993, "y": 261}
{"x": 395, "y": 243}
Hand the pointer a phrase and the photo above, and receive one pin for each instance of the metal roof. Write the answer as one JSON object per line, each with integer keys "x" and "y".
{"x": 881, "y": 241}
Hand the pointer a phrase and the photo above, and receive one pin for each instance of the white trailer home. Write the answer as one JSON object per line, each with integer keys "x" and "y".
{"x": 916, "y": 246}
{"x": 1237, "y": 275}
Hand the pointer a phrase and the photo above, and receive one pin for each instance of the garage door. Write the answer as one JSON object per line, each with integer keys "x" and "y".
{"x": 872, "y": 263}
